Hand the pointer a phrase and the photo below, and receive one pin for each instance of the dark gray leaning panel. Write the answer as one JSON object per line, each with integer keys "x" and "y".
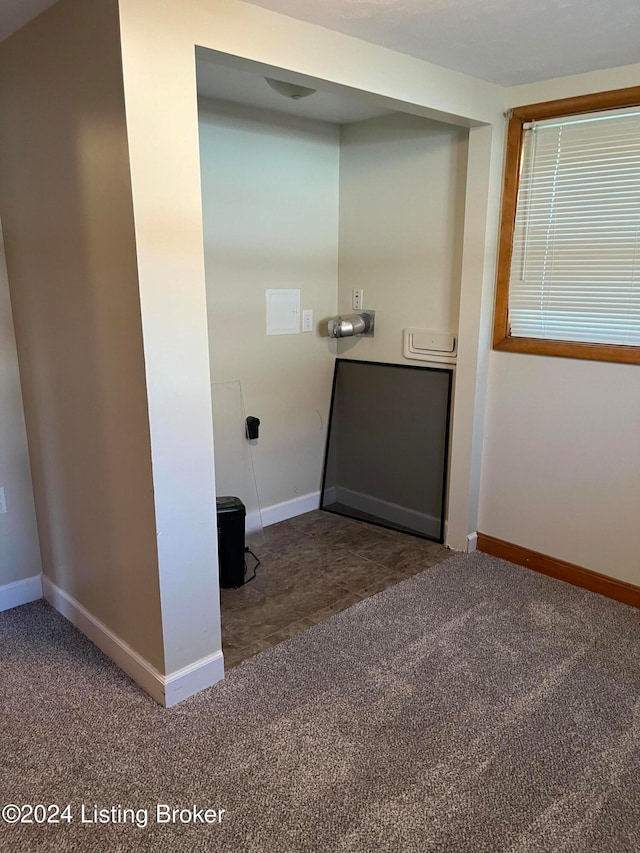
{"x": 387, "y": 445}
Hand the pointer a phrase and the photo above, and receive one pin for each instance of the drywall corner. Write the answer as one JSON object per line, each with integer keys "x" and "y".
{"x": 20, "y": 558}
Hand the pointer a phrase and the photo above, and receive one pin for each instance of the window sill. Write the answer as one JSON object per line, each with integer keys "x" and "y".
{"x": 569, "y": 349}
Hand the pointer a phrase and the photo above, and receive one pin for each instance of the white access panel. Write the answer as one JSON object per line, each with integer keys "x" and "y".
{"x": 283, "y": 312}
{"x": 430, "y": 345}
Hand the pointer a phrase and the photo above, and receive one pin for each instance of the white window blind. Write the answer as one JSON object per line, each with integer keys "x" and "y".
{"x": 575, "y": 267}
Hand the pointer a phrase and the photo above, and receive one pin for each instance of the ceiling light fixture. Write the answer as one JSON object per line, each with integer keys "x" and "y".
{"x": 289, "y": 90}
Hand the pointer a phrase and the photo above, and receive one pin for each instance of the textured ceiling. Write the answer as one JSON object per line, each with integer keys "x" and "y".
{"x": 504, "y": 41}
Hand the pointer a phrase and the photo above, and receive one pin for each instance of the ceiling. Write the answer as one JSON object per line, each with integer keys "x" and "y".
{"x": 229, "y": 79}
{"x": 503, "y": 41}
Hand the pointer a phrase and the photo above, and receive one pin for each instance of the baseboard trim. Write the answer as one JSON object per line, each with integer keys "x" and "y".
{"x": 167, "y": 690}
{"x": 618, "y": 590}
{"x": 289, "y": 509}
{"x": 472, "y": 543}
{"x": 20, "y": 592}
{"x": 193, "y": 678}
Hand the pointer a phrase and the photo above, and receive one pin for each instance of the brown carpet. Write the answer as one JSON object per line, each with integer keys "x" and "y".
{"x": 475, "y": 707}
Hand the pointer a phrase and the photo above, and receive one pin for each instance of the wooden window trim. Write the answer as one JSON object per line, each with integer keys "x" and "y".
{"x": 502, "y": 339}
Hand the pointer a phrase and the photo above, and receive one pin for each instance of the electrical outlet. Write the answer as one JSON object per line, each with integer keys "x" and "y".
{"x": 307, "y": 320}
{"x": 357, "y": 299}
{"x": 3, "y": 503}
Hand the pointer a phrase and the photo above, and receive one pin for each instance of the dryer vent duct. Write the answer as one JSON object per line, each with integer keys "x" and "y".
{"x": 352, "y": 324}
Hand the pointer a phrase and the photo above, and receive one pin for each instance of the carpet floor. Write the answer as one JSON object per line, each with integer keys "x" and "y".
{"x": 475, "y": 707}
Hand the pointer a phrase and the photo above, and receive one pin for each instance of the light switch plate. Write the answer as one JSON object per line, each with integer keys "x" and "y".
{"x": 307, "y": 320}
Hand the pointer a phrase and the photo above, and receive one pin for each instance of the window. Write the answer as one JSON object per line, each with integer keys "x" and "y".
{"x": 569, "y": 259}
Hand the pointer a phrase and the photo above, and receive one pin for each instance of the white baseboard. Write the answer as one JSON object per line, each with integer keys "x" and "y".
{"x": 20, "y": 592}
{"x": 394, "y": 513}
{"x": 167, "y": 690}
{"x": 289, "y": 509}
{"x": 192, "y": 679}
{"x": 472, "y": 542}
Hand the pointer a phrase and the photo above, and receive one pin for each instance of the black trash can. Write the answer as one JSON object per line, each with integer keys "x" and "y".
{"x": 231, "y": 515}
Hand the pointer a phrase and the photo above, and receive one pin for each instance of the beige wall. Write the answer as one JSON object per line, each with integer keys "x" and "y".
{"x": 402, "y": 193}
{"x": 561, "y": 461}
{"x": 418, "y": 223}
{"x": 270, "y": 210}
{"x": 19, "y": 547}
{"x": 401, "y": 225}
{"x": 402, "y": 200}
{"x": 65, "y": 199}
{"x": 479, "y": 252}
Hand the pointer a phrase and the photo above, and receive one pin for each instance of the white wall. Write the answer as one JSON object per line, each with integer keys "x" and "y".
{"x": 561, "y": 461}
{"x": 19, "y": 547}
{"x": 402, "y": 195}
{"x": 270, "y": 213}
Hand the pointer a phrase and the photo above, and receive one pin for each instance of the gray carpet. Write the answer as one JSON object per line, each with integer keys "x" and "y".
{"x": 475, "y": 707}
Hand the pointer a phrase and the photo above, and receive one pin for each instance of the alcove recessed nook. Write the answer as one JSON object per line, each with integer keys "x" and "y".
{"x": 320, "y": 195}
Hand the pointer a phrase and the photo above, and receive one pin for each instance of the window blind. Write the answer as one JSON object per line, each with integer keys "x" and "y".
{"x": 575, "y": 266}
